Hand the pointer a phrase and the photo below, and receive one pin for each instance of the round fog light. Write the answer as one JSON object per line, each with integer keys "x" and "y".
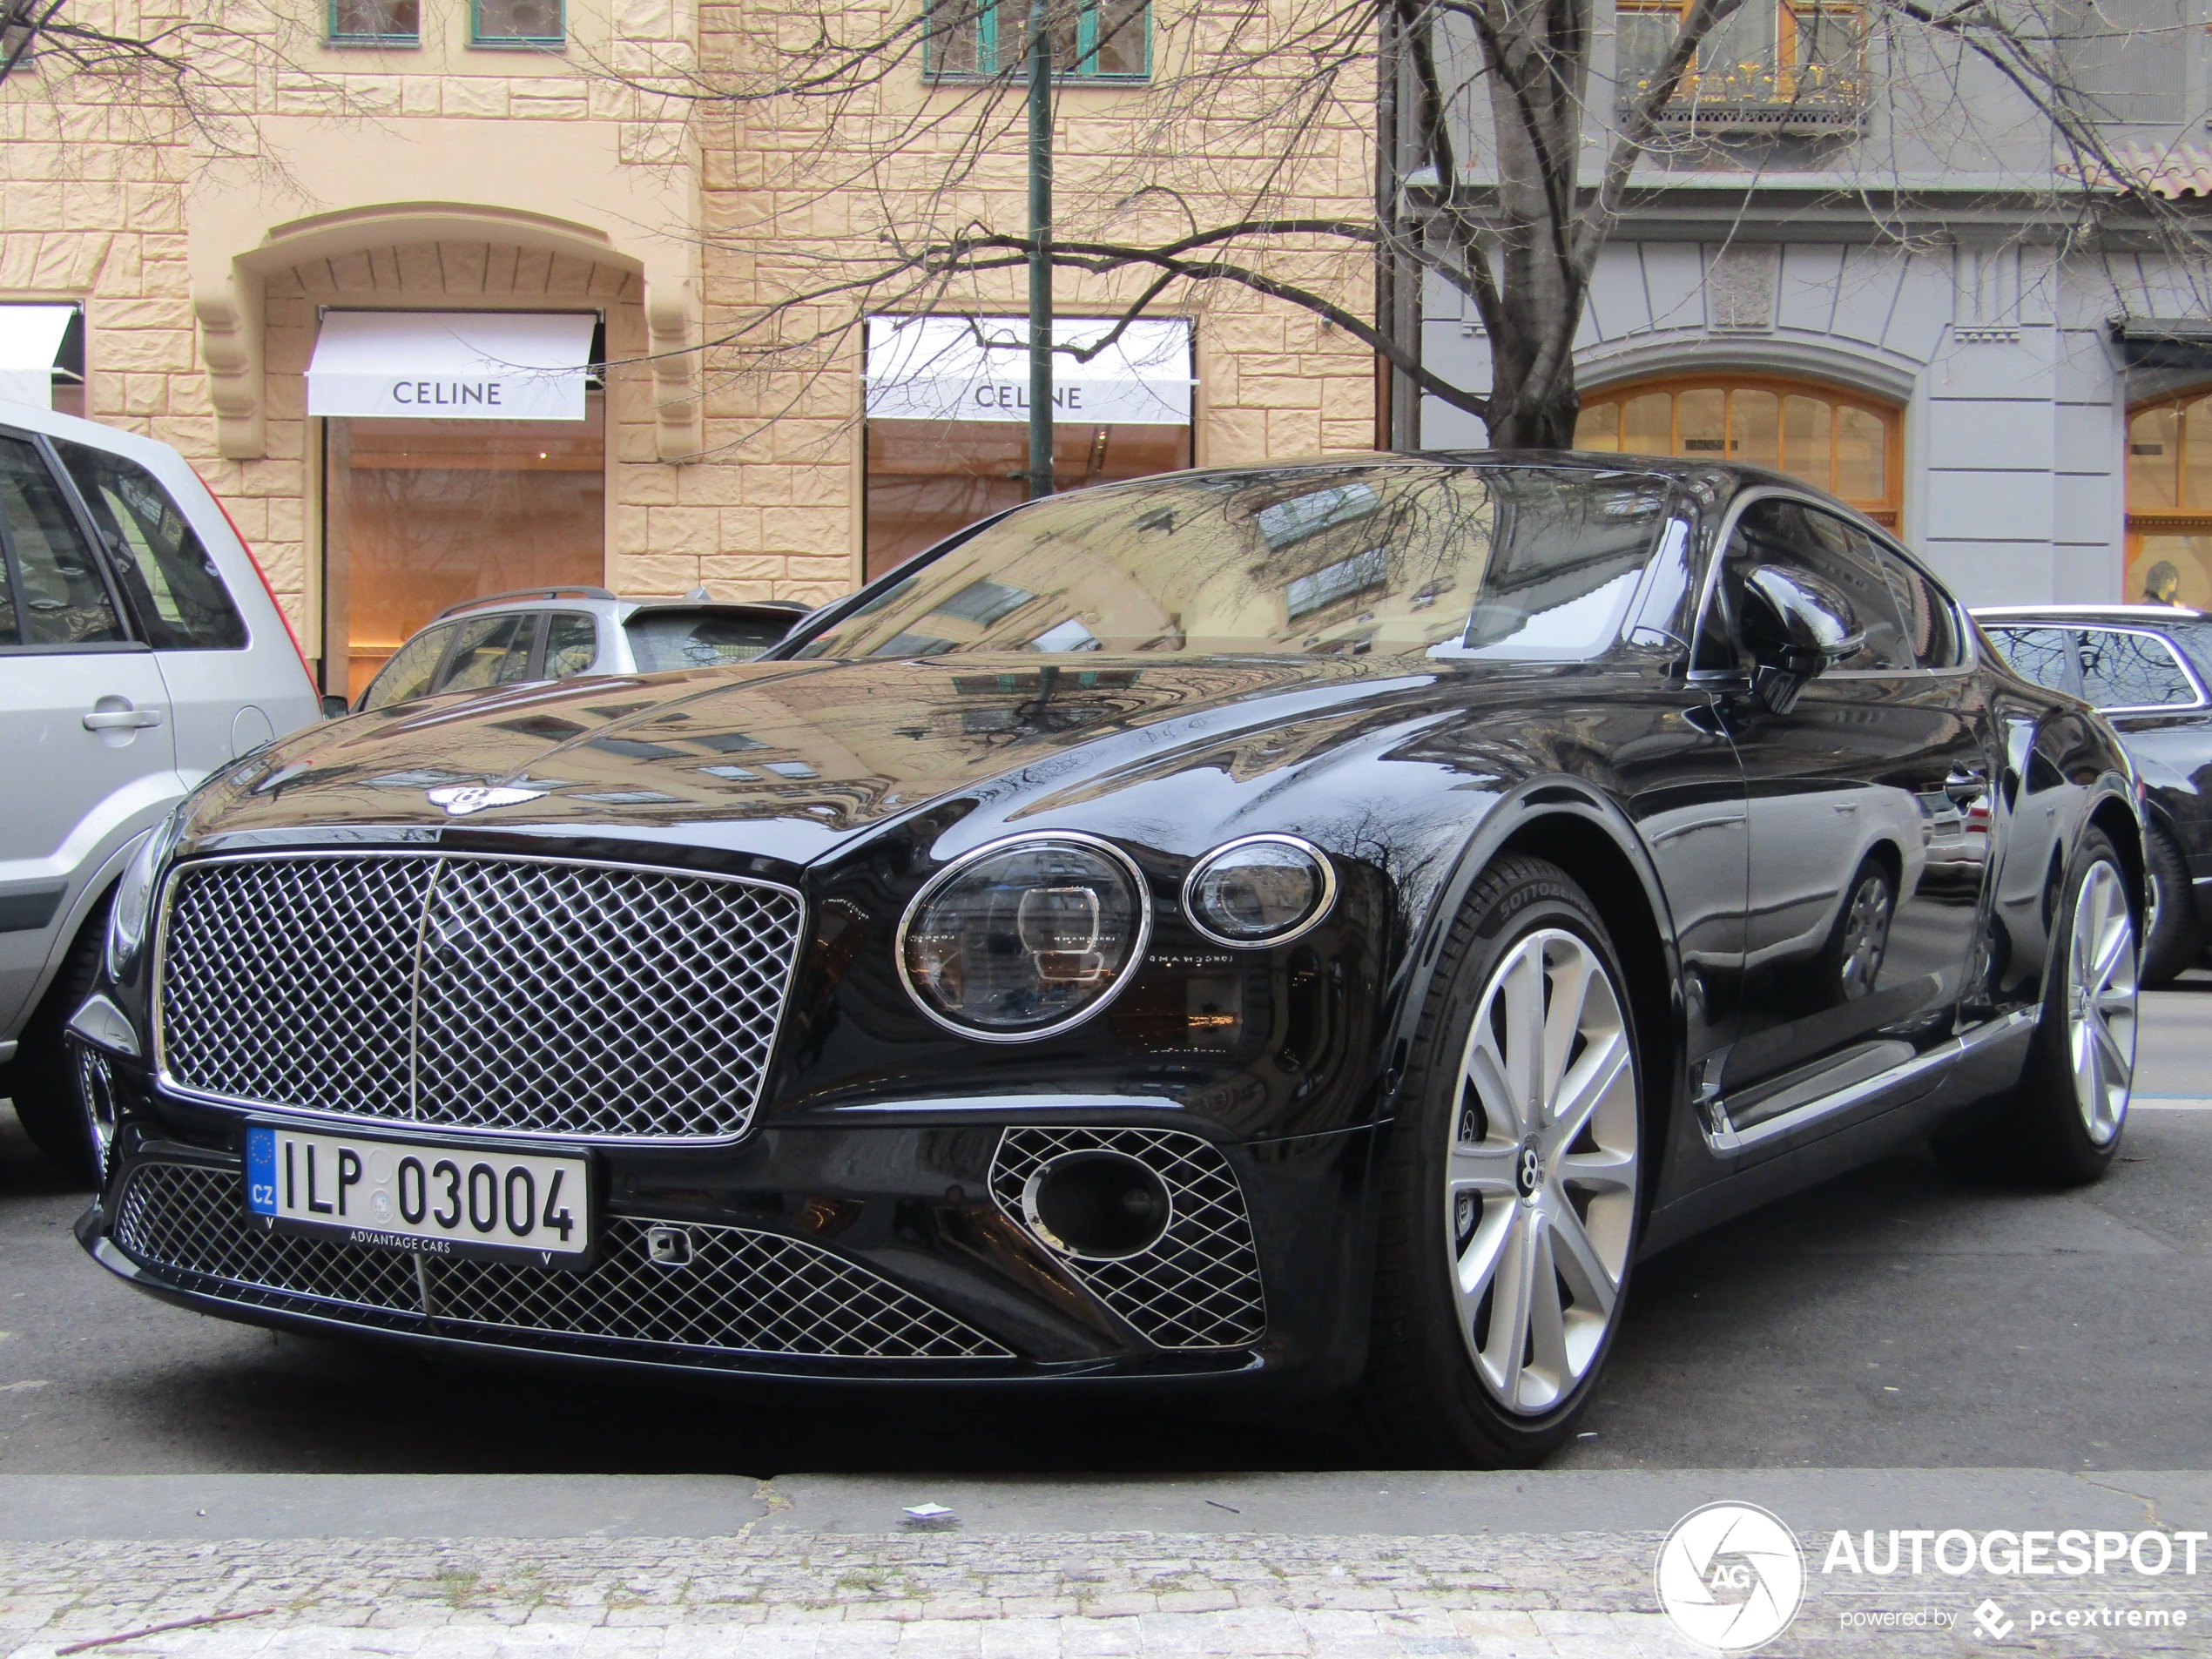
{"x": 1097, "y": 1206}
{"x": 1261, "y": 890}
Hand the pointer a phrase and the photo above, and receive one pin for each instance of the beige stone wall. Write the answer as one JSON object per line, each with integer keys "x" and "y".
{"x": 120, "y": 204}
{"x": 796, "y": 192}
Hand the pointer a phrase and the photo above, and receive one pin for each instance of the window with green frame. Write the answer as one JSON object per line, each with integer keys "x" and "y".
{"x": 1092, "y": 40}
{"x": 376, "y": 22}
{"x": 518, "y": 22}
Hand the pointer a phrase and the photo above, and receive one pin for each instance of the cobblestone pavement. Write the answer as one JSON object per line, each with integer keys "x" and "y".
{"x": 948, "y": 1596}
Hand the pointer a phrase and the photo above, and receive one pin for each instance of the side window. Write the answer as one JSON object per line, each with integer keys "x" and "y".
{"x": 2132, "y": 671}
{"x": 1788, "y": 534}
{"x": 571, "y": 644}
{"x": 155, "y": 554}
{"x": 1930, "y": 623}
{"x": 677, "y": 639}
{"x": 2043, "y": 655}
{"x": 407, "y": 675}
{"x": 60, "y": 599}
{"x": 492, "y": 650}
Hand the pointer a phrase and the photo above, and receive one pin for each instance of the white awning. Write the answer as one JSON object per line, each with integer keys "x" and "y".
{"x": 451, "y": 365}
{"x": 31, "y": 338}
{"x": 977, "y": 368}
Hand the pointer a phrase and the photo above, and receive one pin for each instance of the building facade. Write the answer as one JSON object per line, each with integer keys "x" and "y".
{"x": 1855, "y": 259}
{"x": 451, "y": 297}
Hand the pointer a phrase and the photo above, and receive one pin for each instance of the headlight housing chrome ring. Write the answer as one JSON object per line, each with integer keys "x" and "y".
{"x": 1025, "y": 937}
{"x": 1248, "y": 894}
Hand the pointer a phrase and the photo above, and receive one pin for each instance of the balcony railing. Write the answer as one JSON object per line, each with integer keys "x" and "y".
{"x": 1765, "y": 93}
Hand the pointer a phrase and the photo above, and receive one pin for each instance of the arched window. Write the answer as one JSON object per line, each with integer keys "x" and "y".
{"x": 2170, "y": 500}
{"x": 1849, "y": 445}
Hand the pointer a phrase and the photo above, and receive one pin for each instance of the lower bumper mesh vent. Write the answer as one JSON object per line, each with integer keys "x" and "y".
{"x": 739, "y": 1292}
{"x": 1200, "y": 1286}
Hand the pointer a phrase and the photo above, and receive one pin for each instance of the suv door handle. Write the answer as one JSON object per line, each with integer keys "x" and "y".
{"x": 123, "y": 719}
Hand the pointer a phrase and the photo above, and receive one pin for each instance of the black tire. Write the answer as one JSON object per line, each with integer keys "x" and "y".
{"x": 42, "y": 1077}
{"x": 1424, "y": 1400}
{"x": 2175, "y": 939}
{"x": 2041, "y": 1133}
{"x": 1849, "y": 964}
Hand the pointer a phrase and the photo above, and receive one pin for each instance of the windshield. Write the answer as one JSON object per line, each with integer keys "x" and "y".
{"x": 1396, "y": 561}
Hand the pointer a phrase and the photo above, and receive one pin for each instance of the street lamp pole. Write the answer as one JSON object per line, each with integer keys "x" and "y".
{"x": 1040, "y": 251}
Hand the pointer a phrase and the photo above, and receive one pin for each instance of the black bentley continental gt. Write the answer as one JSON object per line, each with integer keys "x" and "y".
{"x": 1304, "y": 930}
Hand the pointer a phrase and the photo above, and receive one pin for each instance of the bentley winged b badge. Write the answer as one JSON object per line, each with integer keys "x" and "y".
{"x": 461, "y": 799}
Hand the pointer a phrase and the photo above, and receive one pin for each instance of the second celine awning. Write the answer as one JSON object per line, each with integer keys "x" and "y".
{"x": 977, "y": 368}
{"x": 452, "y": 365}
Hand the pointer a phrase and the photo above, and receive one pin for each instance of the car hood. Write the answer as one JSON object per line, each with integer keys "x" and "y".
{"x": 787, "y": 758}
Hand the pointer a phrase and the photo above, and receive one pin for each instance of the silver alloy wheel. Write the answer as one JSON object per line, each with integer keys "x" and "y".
{"x": 1540, "y": 1176}
{"x": 2100, "y": 1001}
{"x": 1866, "y": 934}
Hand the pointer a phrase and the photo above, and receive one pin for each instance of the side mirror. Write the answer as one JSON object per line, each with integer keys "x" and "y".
{"x": 1796, "y": 627}
{"x": 334, "y": 707}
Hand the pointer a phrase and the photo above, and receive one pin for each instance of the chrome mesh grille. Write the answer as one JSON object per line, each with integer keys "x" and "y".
{"x": 799, "y": 1300}
{"x": 478, "y": 993}
{"x": 1200, "y": 1286}
{"x": 741, "y": 1292}
{"x": 194, "y": 1220}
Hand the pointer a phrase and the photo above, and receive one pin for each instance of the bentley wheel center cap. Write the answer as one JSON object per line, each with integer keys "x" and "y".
{"x": 1528, "y": 1168}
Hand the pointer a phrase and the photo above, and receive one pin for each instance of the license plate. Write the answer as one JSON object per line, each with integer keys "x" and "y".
{"x": 434, "y": 1200}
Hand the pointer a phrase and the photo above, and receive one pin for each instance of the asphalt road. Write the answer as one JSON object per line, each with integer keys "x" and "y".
{"x": 1892, "y": 1319}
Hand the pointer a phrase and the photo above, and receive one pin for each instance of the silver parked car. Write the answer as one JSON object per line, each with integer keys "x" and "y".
{"x": 140, "y": 649}
{"x": 558, "y": 633}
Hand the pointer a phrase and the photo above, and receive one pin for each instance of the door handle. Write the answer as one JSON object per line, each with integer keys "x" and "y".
{"x": 1965, "y": 782}
{"x": 125, "y": 718}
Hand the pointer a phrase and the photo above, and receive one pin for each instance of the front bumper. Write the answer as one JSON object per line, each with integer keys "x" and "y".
{"x": 879, "y": 1253}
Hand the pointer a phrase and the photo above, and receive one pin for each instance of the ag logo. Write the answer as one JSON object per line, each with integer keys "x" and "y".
{"x": 1730, "y": 1576}
{"x": 461, "y": 799}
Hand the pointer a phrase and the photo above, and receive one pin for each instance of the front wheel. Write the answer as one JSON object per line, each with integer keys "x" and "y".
{"x": 2061, "y": 1125}
{"x": 1514, "y": 1182}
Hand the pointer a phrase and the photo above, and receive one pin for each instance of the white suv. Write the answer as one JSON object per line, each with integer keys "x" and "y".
{"x": 140, "y": 649}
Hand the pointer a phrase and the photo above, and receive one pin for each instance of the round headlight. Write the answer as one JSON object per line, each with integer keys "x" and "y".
{"x": 127, "y": 921}
{"x": 1261, "y": 890}
{"x": 1024, "y": 938}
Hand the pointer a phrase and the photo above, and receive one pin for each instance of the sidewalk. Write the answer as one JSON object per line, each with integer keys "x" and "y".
{"x": 1334, "y": 1566}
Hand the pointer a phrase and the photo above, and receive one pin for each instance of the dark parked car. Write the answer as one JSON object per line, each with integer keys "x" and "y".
{"x": 2145, "y": 669}
{"x": 1243, "y": 931}
{"x": 563, "y": 633}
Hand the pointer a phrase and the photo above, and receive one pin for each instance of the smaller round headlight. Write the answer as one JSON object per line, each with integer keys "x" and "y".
{"x": 1261, "y": 890}
{"x": 127, "y": 921}
{"x": 1024, "y": 938}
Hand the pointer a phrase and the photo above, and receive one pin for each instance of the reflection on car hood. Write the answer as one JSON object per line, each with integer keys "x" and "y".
{"x": 805, "y": 754}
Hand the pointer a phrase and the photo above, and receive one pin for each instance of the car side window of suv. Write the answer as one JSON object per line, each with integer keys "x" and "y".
{"x": 2046, "y": 656}
{"x": 1796, "y": 536}
{"x": 155, "y": 555}
{"x": 407, "y": 675}
{"x": 60, "y": 599}
{"x": 2123, "y": 669}
{"x": 571, "y": 643}
{"x": 492, "y": 650}
{"x": 1930, "y": 627}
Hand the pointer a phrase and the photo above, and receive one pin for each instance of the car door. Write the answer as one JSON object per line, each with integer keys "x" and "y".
{"x": 85, "y": 722}
{"x": 1870, "y": 827}
{"x": 219, "y": 688}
